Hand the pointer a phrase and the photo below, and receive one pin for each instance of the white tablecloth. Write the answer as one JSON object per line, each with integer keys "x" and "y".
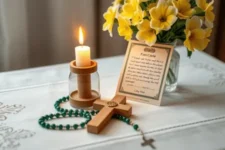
{"x": 193, "y": 117}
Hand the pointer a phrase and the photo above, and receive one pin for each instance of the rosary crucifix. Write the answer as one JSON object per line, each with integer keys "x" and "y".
{"x": 148, "y": 142}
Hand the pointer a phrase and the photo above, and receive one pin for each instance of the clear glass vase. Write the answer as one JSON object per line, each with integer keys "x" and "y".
{"x": 172, "y": 76}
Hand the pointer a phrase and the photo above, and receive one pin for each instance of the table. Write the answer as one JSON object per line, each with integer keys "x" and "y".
{"x": 193, "y": 117}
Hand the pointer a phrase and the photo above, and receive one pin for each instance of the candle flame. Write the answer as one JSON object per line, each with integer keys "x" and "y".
{"x": 81, "y": 36}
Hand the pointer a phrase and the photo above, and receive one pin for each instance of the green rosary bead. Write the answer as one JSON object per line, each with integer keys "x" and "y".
{"x": 75, "y": 114}
{"x": 70, "y": 114}
{"x": 60, "y": 127}
{"x": 65, "y": 111}
{"x": 51, "y": 116}
{"x": 76, "y": 111}
{"x": 93, "y": 112}
{"x": 67, "y": 127}
{"x": 48, "y": 126}
{"x": 57, "y": 115}
{"x": 64, "y": 114}
{"x": 75, "y": 126}
{"x": 53, "y": 126}
{"x": 82, "y": 125}
{"x": 127, "y": 120}
{"x": 135, "y": 126}
{"x": 64, "y": 98}
{"x": 44, "y": 125}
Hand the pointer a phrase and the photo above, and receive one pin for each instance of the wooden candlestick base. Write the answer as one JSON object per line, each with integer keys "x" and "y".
{"x": 77, "y": 102}
{"x": 84, "y": 96}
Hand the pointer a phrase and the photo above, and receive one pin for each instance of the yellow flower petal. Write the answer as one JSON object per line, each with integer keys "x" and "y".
{"x": 171, "y": 19}
{"x": 146, "y": 34}
{"x": 208, "y": 32}
{"x": 162, "y": 8}
{"x": 156, "y": 24}
{"x": 209, "y": 18}
{"x": 128, "y": 11}
{"x": 109, "y": 17}
{"x": 149, "y": 37}
{"x": 137, "y": 17}
{"x": 155, "y": 14}
{"x": 171, "y": 11}
{"x": 124, "y": 28}
{"x": 187, "y": 42}
{"x": 193, "y": 23}
{"x": 201, "y": 4}
{"x": 145, "y": 25}
{"x": 198, "y": 33}
{"x": 200, "y": 44}
{"x": 184, "y": 8}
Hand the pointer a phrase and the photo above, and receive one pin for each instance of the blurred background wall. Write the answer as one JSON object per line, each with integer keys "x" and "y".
{"x": 42, "y": 32}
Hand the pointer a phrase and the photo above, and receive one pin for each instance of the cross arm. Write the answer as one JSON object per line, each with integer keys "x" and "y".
{"x": 124, "y": 110}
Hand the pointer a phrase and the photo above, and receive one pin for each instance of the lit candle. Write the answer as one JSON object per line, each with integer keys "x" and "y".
{"x": 83, "y": 56}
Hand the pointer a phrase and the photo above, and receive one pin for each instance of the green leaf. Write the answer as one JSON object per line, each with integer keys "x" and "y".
{"x": 189, "y": 53}
{"x": 146, "y": 17}
{"x": 134, "y": 29}
{"x": 199, "y": 12}
{"x": 115, "y": 21}
{"x": 122, "y": 2}
{"x": 193, "y": 3}
{"x": 144, "y": 5}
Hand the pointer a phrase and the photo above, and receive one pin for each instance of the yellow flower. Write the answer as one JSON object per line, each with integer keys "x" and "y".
{"x": 129, "y": 8}
{"x": 163, "y": 16}
{"x": 146, "y": 33}
{"x": 137, "y": 17}
{"x": 109, "y": 16}
{"x": 208, "y": 8}
{"x": 196, "y": 37}
{"x": 184, "y": 8}
{"x": 132, "y": 10}
{"x": 124, "y": 28}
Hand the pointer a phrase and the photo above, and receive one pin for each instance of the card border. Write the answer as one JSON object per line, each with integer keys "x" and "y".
{"x": 146, "y": 99}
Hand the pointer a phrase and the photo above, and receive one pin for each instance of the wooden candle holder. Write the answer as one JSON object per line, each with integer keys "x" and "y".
{"x": 84, "y": 96}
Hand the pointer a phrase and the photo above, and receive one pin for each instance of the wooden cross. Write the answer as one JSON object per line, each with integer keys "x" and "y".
{"x": 148, "y": 142}
{"x": 107, "y": 110}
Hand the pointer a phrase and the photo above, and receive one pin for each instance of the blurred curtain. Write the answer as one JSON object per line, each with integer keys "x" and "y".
{"x": 217, "y": 46}
{"x": 42, "y": 32}
{"x": 13, "y": 39}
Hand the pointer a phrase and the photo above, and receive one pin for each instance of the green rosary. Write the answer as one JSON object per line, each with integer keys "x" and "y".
{"x": 63, "y": 113}
{"x": 67, "y": 113}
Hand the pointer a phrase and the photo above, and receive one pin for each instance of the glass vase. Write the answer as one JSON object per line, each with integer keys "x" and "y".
{"x": 173, "y": 73}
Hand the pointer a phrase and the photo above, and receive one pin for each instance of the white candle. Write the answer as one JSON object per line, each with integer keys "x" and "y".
{"x": 83, "y": 54}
